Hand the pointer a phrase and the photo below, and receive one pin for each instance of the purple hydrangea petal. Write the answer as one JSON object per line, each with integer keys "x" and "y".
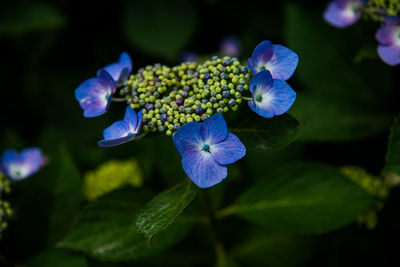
{"x": 120, "y": 70}
{"x": 390, "y": 54}
{"x": 228, "y": 151}
{"x": 116, "y": 142}
{"x": 275, "y": 101}
{"x": 20, "y": 166}
{"x": 386, "y": 33}
{"x": 343, "y": 13}
{"x": 283, "y": 62}
{"x": 262, "y": 79}
{"x": 202, "y": 169}
{"x": 187, "y": 138}
{"x": 261, "y": 55}
{"x": 230, "y": 46}
{"x": 214, "y": 129}
{"x": 94, "y": 94}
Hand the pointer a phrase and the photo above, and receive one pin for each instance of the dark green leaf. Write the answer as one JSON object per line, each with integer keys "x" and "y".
{"x": 161, "y": 211}
{"x": 303, "y": 198}
{"x": 30, "y": 17}
{"x": 337, "y": 103}
{"x": 393, "y": 154}
{"x": 266, "y": 134}
{"x": 104, "y": 230}
{"x": 57, "y": 257}
{"x": 158, "y": 27}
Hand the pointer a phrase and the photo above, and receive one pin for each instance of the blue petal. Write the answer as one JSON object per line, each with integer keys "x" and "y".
{"x": 117, "y": 130}
{"x": 275, "y": 101}
{"x": 106, "y": 80}
{"x": 261, "y": 55}
{"x": 262, "y": 79}
{"x": 120, "y": 70}
{"x": 187, "y": 138}
{"x": 390, "y": 54}
{"x": 8, "y": 157}
{"x": 116, "y": 142}
{"x": 213, "y": 130}
{"x": 229, "y": 150}
{"x": 342, "y": 14}
{"x": 386, "y": 33}
{"x": 94, "y": 95}
{"x": 202, "y": 169}
{"x": 130, "y": 118}
{"x": 32, "y": 158}
{"x": 283, "y": 62}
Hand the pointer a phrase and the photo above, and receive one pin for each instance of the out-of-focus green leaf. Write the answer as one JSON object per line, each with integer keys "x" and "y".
{"x": 58, "y": 257}
{"x": 273, "y": 249}
{"x": 160, "y": 28}
{"x": 161, "y": 211}
{"x": 110, "y": 176}
{"x": 392, "y": 165}
{"x": 266, "y": 134}
{"x": 30, "y": 17}
{"x": 301, "y": 198}
{"x": 104, "y": 229}
{"x": 337, "y": 103}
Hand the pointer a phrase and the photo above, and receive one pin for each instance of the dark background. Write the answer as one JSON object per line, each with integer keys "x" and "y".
{"x": 50, "y": 47}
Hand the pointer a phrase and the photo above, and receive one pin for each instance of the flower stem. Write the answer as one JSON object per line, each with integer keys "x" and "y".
{"x": 247, "y": 98}
{"x": 118, "y": 99}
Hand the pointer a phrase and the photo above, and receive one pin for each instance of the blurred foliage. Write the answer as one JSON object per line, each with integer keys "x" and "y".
{"x": 281, "y": 213}
{"x": 110, "y": 176}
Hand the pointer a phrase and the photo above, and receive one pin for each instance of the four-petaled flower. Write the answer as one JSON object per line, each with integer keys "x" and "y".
{"x": 343, "y": 13}
{"x": 277, "y": 59}
{"x": 270, "y": 96}
{"x": 94, "y": 95}
{"x": 122, "y": 131}
{"x": 389, "y": 40}
{"x": 18, "y": 166}
{"x": 206, "y": 148}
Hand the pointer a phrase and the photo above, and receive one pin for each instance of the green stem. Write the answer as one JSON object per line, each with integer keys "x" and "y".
{"x": 118, "y": 99}
{"x": 247, "y": 98}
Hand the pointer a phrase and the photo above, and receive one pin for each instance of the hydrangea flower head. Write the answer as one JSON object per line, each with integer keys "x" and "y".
{"x": 388, "y": 37}
{"x": 122, "y": 131}
{"x": 206, "y": 148}
{"x": 94, "y": 95}
{"x": 278, "y": 59}
{"x": 19, "y": 166}
{"x": 230, "y": 46}
{"x": 120, "y": 70}
{"x": 343, "y": 13}
{"x": 270, "y": 96}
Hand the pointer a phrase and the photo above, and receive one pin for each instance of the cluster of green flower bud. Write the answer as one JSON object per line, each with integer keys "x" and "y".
{"x": 5, "y": 210}
{"x": 171, "y": 97}
{"x": 377, "y": 10}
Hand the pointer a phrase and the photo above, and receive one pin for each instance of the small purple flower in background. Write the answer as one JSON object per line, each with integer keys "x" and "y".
{"x": 277, "y": 59}
{"x": 122, "y": 131}
{"x": 343, "y": 13}
{"x": 206, "y": 148}
{"x": 389, "y": 40}
{"x": 230, "y": 46}
{"x": 18, "y": 166}
{"x": 120, "y": 70}
{"x": 94, "y": 95}
{"x": 189, "y": 56}
{"x": 271, "y": 97}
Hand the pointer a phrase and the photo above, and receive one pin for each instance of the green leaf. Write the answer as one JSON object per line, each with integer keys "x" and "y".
{"x": 104, "y": 229}
{"x": 301, "y": 198}
{"x": 45, "y": 204}
{"x": 30, "y": 17}
{"x": 160, "y": 28}
{"x": 337, "y": 104}
{"x": 392, "y": 165}
{"x": 57, "y": 257}
{"x": 266, "y": 134}
{"x": 161, "y": 211}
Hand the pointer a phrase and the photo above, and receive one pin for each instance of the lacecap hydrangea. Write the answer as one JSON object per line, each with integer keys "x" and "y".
{"x": 188, "y": 101}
